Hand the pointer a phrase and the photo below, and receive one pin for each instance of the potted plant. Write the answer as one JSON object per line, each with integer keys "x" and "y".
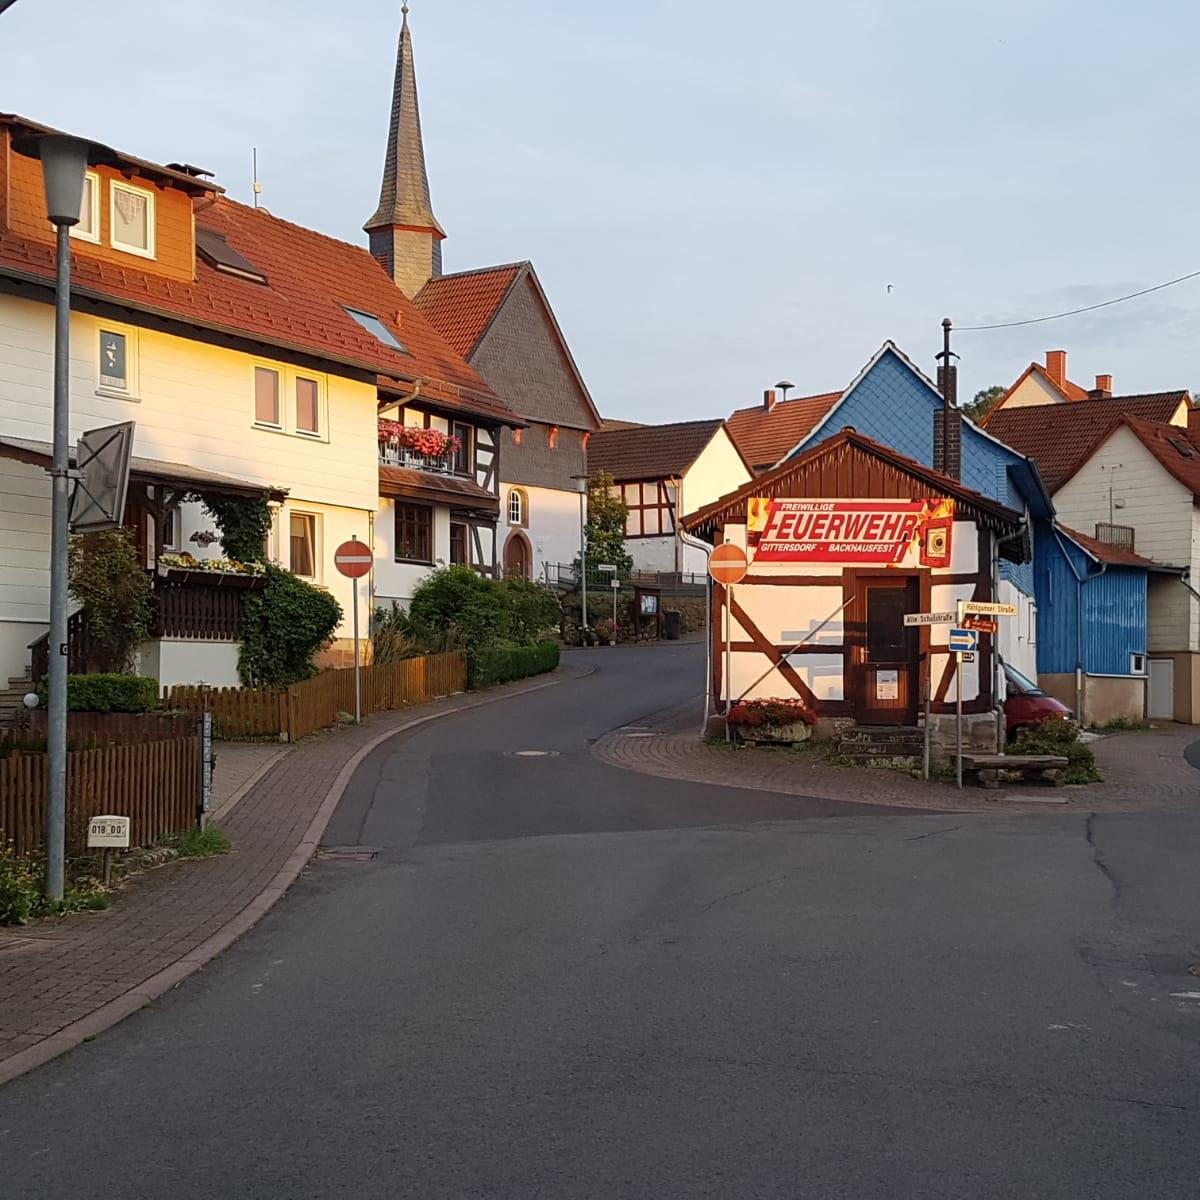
{"x": 777, "y": 719}
{"x": 606, "y": 631}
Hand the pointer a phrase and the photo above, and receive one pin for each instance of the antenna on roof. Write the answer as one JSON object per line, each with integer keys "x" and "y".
{"x": 255, "y": 186}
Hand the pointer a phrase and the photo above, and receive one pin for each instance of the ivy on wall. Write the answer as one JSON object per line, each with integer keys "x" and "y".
{"x": 283, "y": 626}
{"x": 244, "y": 524}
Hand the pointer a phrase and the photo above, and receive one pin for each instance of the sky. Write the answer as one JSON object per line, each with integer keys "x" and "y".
{"x": 715, "y": 196}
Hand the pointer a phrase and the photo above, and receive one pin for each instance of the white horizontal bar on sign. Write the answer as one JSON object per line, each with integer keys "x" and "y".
{"x": 935, "y": 618}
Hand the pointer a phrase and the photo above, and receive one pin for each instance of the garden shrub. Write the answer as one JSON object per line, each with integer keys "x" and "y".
{"x": 502, "y": 663}
{"x": 283, "y": 626}
{"x": 460, "y": 607}
{"x": 108, "y": 693}
{"x": 771, "y": 713}
{"x": 116, "y": 593}
{"x": 534, "y": 609}
{"x": 1056, "y": 735}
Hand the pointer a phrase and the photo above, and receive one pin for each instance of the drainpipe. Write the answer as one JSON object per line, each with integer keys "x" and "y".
{"x": 997, "y": 663}
{"x": 1080, "y": 580}
{"x": 696, "y": 543}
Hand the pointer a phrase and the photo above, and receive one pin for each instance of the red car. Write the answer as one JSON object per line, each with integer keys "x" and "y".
{"x": 1026, "y": 705}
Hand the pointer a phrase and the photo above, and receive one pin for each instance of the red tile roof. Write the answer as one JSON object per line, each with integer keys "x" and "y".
{"x": 1061, "y": 437}
{"x": 764, "y": 437}
{"x": 462, "y": 306}
{"x": 649, "y": 451}
{"x": 1105, "y": 552}
{"x": 311, "y": 277}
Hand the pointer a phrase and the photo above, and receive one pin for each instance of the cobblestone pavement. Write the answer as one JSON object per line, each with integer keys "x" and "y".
{"x": 60, "y": 970}
{"x": 1145, "y": 769}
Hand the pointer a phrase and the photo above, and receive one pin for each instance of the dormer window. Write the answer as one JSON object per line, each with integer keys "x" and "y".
{"x": 131, "y": 219}
{"x": 88, "y": 228}
{"x": 213, "y": 249}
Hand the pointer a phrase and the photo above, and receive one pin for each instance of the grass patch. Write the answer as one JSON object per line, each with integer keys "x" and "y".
{"x": 21, "y": 899}
{"x": 199, "y": 843}
{"x": 1121, "y": 725}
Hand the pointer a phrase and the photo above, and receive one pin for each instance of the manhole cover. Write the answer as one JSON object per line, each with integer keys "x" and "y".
{"x": 349, "y": 853}
{"x": 536, "y": 753}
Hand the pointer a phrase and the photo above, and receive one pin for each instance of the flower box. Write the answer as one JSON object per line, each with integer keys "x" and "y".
{"x": 797, "y": 731}
{"x": 778, "y": 719}
{"x": 201, "y": 578}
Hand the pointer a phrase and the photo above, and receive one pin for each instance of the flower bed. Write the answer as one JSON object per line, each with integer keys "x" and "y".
{"x": 211, "y": 572}
{"x": 776, "y": 719}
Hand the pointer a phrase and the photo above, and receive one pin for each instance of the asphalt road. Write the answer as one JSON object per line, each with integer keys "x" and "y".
{"x": 559, "y": 979}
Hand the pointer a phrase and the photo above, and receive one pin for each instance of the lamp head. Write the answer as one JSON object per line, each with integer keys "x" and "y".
{"x": 64, "y": 161}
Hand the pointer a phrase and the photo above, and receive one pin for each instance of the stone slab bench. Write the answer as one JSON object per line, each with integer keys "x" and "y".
{"x": 986, "y": 769}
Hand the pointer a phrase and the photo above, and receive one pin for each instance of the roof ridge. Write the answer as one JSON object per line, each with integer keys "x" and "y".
{"x": 663, "y": 425}
{"x": 512, "y": 266}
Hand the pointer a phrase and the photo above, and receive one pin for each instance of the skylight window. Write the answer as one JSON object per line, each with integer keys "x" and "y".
{"x": 377, "y": 329}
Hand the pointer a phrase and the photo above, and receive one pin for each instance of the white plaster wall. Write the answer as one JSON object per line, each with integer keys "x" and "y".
{"x": 1033, "y": 389}
{"x": 717, "y": 471}
{"x": 1017, "y": 639}
{"x": 553, "y": 528}
{"x": 1163, "y": 515}
{"x": 175, "y": 661}
{"x": 395, "y": 581}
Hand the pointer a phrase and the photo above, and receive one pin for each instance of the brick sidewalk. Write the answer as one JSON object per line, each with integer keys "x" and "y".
{"x": 62, "y": 970}
{"x": 1142, "y": 770}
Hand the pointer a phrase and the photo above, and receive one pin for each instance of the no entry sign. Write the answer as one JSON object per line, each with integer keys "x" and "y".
{"x": 727, "y": 563}
{"x": 353, "y": 559}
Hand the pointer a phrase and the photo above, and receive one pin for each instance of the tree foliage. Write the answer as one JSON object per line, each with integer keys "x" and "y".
{"x": 985, "y": 400}
{"x": 108, "y": 581}
{"x": 244, "y": 524}
{"x": 605, "y": 528}
{"x": 458, "y": 607}
{"x": 283, "y": 626}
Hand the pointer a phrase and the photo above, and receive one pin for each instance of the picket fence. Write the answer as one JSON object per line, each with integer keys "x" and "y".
{"x": 303, "y": 708}
{"x": 156, "y": 784}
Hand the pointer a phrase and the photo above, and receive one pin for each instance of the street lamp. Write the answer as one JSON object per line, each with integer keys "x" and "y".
{"x": 64, "y": 162}
{"x": 581, "y": 482}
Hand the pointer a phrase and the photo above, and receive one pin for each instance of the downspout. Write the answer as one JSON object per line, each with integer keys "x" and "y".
{"x": 998, "y": 663}
{"x": 1080, "y": 580}
{"x": 697, "y": 544}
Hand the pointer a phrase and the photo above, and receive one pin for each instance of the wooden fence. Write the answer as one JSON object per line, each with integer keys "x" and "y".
{"x": 156, "y": 784}
{"x": 315, "y": 703}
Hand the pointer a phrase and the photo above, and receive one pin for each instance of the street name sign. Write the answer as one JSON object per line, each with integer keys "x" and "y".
{"x": 988, "y": 608}
{"x": 962, "y": 641}
{"x": 934, "y": 618}
{"x": 108, "y": 831}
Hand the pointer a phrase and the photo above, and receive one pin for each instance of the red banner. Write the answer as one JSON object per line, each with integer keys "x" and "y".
{"x": 850, "y": 532}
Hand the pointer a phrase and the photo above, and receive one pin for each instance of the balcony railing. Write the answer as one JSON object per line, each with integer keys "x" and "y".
{"x": 393, "y": 455}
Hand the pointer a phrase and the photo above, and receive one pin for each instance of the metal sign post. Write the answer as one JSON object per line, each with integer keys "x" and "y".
{"x": 727, "y": 565}
{"x": 354, "y": 560}
{"x": 958, "y": 666}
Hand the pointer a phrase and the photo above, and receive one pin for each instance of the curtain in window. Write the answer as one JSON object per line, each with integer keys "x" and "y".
{"x": 303, "y": 550}
{"x": 306, "y": 405}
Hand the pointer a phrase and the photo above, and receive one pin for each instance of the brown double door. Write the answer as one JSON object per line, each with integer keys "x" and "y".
{"x": 886, "y": 681}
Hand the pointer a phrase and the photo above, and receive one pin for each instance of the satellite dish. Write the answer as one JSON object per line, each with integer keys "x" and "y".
{"x": 102, "y": 465}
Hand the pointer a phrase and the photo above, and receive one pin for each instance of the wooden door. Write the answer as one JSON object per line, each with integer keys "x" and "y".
{"x": 516, "y": 557}
{"x": 887, "y": 658}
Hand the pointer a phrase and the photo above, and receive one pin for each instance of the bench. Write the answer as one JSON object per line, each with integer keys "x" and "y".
{"x": 1034, "y": 768}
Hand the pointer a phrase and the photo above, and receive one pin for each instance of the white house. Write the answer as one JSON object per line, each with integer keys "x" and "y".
{"x": 252, "y": 356}
{"x": 664, "y": 472}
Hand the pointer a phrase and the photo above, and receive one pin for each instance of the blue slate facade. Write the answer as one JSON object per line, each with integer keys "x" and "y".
{"x": 894, "y": 405}
{"x": 1112, "y": 623}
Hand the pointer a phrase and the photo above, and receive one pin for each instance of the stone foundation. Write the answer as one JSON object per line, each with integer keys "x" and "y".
{"x": 979, "y": 735}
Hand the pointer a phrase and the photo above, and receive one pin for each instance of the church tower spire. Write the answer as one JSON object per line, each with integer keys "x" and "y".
{"x": 404, "y": 234}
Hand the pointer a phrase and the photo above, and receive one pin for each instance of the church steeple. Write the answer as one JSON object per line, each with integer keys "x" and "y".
{"x": 404, "y": 234}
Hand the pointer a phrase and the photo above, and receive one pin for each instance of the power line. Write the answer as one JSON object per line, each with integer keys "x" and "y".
{"x": 1158, "y": 287}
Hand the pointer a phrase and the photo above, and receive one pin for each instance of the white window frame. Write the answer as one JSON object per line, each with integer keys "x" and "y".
{"x": 1134, "y": 668}
{"x": 318, "y": 434}
{"x": 516, "y": 494}
{"x": 315, "y": 519}
{"x": 114, "y": 188}
{"x": 92, "y": 210}
{"x": 280, "y": 399}
{"x": 130, "y": 390}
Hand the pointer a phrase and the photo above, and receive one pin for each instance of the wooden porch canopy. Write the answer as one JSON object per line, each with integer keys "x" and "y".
{"x": 407, "y": 483}
{"x": 851, "y": 465}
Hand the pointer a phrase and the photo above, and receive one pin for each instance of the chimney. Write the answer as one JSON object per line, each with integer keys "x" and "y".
{"x": 1056, "y": 366}
{"x": 947, "y": 450}
{"x": 769, "y": 398}
{"x": 1103, "y": 388}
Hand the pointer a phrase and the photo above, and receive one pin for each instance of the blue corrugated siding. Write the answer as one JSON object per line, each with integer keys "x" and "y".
{"x": 895, "y": 407}
{"x": 1114, "y": 610}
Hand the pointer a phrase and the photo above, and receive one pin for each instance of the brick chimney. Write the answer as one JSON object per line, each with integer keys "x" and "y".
{"x": 1103, "y": 388}
{"x": 948, "y": 462}
{"x": 1056, "y": 366}
{"x": 769, "y": 399}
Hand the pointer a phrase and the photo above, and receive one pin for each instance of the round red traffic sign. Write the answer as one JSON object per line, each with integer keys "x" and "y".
{"x": 353, "y": 558}
{"x": 727, "y": 563}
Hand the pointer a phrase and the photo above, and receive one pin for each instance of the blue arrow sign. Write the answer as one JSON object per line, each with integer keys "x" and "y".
{"x": 963, "y": 641}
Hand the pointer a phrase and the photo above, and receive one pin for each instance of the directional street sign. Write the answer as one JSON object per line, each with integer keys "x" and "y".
{"x": 987, "y": 608}
{"x": 935, "y": 618}
{"x": 963, "y": 641}
{"x": 982, "y": 624}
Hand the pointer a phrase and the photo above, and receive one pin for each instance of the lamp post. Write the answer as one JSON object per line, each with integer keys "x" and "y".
{"x": 64, "y": 162}
{"x": 582, "y": 482}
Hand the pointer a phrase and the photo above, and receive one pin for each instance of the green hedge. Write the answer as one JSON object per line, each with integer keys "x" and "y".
{"x": 503, "y": 663}
{"x": 108, "y": 693}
